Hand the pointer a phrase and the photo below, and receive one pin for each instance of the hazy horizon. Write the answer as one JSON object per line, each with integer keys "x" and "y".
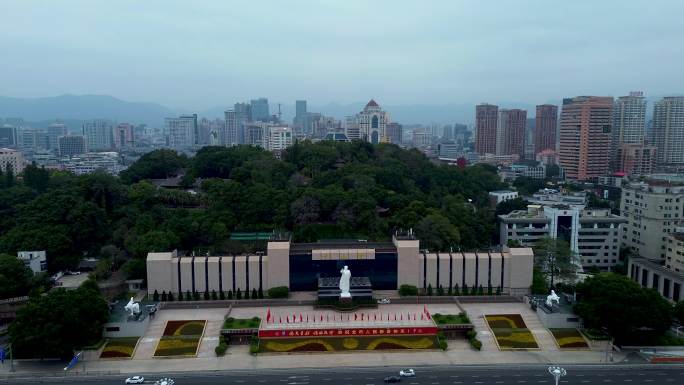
{"x": 201, "y": 55}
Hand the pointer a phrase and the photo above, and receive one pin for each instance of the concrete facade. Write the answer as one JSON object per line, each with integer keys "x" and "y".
{"x": 648, "y": 274}
{"x": 510, "y": 269}
{"x": 654, "y": 209}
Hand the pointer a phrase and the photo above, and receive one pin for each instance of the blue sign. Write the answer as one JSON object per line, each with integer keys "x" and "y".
{"x": 73, "y": 361}
{"x": 2, "y": 355}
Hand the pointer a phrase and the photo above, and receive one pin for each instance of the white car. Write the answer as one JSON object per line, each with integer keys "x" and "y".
{"x": 384, "y": 301}
{"x": 407, "y": 373}
{"x": 135, "y": 380}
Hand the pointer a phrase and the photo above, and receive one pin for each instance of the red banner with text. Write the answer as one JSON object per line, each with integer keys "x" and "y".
{"x": 337, "y": 332}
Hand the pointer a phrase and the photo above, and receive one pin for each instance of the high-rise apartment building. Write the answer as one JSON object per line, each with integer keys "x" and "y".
{"x": 123, "y": 136}
{"x": 279, "y": 138}
{"x": 351, "y": 128}
{"x": 260, "y": 112}
{"x": 181, "y": 131}
{"x": 231, "y": 133}
{"x": 300, "y": 112}
{"x": 11, "y": 160}
{"x": 546, "y": 124}
{"x": 54, "y": 131}
{"x": 394, "y": 132}
{"x": 654, "y": 209}
{"x": 510, "y": 132}
{"x": 243, "y": 115}
{"x": 629, "y": 126}
{"x": 71, "y": 145}
{"x": 32, "y": 140}
{"x": 585, "y": 136}
{"x": 635, "y": 159}
{"x": 98, "y": 134}
{"x": 668, "y": 130}
{"x": 8, "y": 136}
{"x": 486, "y": 117}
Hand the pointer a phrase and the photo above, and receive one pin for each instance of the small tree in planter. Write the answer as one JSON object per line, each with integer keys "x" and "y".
{"x": 450, "y": 291}
{"x": 255, "y": 295}
{"x": 480, "y": 290}
{"x": 155, "y": 296}
{"x": 456, "y": 291}
{"x": 260, "y": 293}
{"x": 214, "y": 296}
{"x": 163, "y": 296}
{"x": 429, "y": 290}
{"x": 498, "y": 290}
{"x": 465, "y": 289}
{"x": 196, "y": 295}
{"x": 222, "y": 295}
{"x": 206, "y": 296}
{"x": 473, "y": 290}
{"x": 188, "y": 296}
{"x": 180, "y": 296}
{"x": 489, "y": 290}
{"x": 230, "y": 294}
{"x": 170, "y": 297}
{"x": 440, "y": 290}
{"x": 238, "y": 295}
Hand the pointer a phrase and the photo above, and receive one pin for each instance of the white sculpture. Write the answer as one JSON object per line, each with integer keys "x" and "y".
{"x": 552, "y": 297}
{"x": 344, "y": 283}
{"x": 132, "y": 307}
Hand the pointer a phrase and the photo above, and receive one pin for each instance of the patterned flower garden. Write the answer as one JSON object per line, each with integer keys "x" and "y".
{"x": 180, "y": 338}
{"x": 569, "y": 339}
{"x": 511, "y": 332}
{"x": 119, "y": 347}
{"x": 281, "y": 345}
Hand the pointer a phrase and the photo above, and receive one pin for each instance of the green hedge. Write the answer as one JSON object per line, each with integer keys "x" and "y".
{"x": 279, "y": 292}
{"x": 407, "y": 290}
{"x": 220, "y": 349}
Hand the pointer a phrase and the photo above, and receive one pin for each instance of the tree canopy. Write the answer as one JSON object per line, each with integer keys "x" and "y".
{"x": 619, "y": 304}
{"x": 15, "y": 277}
{"x": 59, "y": 323}
{"x": 554, "y": 259}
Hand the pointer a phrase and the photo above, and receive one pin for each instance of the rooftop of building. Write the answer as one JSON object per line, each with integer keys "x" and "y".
{"x": 502, "y": 192}
{"x": 654, "y": 266}
{"x": 341, "y": 244}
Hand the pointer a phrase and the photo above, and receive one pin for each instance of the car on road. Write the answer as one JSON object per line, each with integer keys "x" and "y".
{"x": 392, "y": 379}
{"x": 407, "y": 373}
{"x": 135, "y": 380}
{"x": 384, "y": 301}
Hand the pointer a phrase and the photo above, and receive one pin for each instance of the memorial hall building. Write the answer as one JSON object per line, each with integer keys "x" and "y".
{"x": 298, "y": 266}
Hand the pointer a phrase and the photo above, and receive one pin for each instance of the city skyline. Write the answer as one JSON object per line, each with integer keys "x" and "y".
{"x": 451, "y": 53}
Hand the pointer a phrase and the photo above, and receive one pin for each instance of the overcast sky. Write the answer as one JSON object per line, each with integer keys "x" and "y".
{"x": 198, "y": 54}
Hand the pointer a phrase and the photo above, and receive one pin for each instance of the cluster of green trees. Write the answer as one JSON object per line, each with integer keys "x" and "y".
{"x": 321, "y": 190}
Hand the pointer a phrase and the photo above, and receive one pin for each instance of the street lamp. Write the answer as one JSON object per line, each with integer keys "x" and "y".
{"x": 557, "y": 372}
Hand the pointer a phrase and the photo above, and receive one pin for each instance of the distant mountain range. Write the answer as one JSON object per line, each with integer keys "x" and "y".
{"x": 73, "y": 109}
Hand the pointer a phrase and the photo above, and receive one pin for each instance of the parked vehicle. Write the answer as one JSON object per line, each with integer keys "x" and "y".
{"x": 384, "y": 301}
{"x": 407, "y": 373}
{"x": 392, "y": 379}
{"x": 135, "y": 380}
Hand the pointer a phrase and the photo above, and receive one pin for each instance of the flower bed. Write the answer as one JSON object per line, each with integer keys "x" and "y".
{"x": 180, "y": 338}
{"x": 511, "y": 332}
{"x": 282, "y": 345}
{"x": 241, "y": 323}
{"x": 119, "y": 347}
{"x": 569, "y": 339}
{"x": 184, "y": 328}
{"x": 177, "y": 346}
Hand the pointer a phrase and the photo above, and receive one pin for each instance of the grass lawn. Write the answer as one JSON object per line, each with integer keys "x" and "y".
{"x": 511, "y": 332}
{"x": 569, "y": 339}
{"x": 450, "y": 319}
{"x": 241, "y": 323}
{"x": 119, "y": 347}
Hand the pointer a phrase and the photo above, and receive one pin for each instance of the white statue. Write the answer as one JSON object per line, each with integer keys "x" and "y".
{"x": 552, "y": 297}
{"x": 132, "y": 307}
{"x": 344, "y": 283}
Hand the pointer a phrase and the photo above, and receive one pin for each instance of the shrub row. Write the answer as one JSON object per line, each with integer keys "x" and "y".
{"x": 276, "y": 292}
{"x": 411, "y": 290}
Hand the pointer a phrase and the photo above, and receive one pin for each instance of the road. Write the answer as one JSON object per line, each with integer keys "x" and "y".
{"x": 494, "y": 375}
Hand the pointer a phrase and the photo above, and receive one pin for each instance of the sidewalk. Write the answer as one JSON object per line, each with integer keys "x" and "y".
{"x": 238, "y": 358}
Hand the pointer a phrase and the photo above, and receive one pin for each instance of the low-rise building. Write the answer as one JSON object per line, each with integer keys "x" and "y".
{"x": 502, "y": 195}
{"x": 653, "y": 275}
{"x": 594, "y": 234}
{"x": 34, "y": 260}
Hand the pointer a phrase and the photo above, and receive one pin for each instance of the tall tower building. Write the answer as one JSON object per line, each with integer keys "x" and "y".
{"x": 300, "y": 112}
{"x": 230, "y": 135}
{"x": 372, "y": 122}
{"x": 54, "y": 131}
{"x": 98, "y": 134}
{"x": 8, "y": 136}
{"x": 486, "y": 116}
{"x": 260, "y": 111}
{"x": 243, "y": 114}
{"x": 71, "y": 145}
{"x": 629, "y": 119}
{"x": 585, "y": 136}
{"x": 510, "y": 132}
{"x": 668, "y": 130}
{"x": 123, "y": 136}
{"x": 394, "y": 132}
{"x": 181, "y": 131}
{"x": 546, "y": 123}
